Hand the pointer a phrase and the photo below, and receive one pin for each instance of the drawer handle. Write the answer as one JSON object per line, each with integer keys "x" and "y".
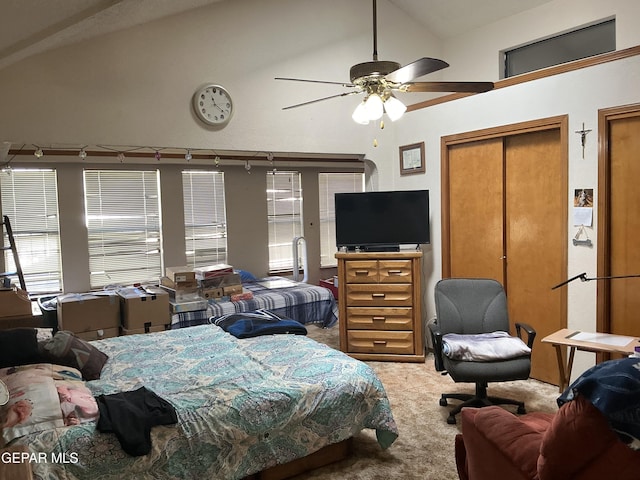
{"x": 395, "y": 272}
{"x": 381, "y": 319}
{"x": 377, "y": 295}
{"x": 362, "y": 272}
{"x": 379, "y": 342}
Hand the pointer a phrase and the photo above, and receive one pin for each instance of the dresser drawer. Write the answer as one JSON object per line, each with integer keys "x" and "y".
{"x": 394, "y": 271}
{"x": 383, "y": 295}
{"x": 373, "y": 341}
{"x": 372, "y": 318}
{"x": 361, "y": 271}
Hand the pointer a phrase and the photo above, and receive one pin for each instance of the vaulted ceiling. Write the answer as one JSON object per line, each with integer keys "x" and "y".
{"x": 28, "y": 27}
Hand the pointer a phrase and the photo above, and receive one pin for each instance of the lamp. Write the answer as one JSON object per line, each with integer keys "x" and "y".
{"x": 375, "y": 105}
{"x": 394, "y": 108}
{"x": 38, "y": 153}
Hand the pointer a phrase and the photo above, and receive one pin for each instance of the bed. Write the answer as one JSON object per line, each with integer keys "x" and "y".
{"x": 243, "y": 406}
{"x": 308, "y": 304}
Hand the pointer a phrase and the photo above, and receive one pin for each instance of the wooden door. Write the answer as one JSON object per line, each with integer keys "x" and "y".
{"x": 476, "y": 210}
{"x": 619, "y": 254}
{"x": 505, "y": 217}
{"x": 535, "y": 226}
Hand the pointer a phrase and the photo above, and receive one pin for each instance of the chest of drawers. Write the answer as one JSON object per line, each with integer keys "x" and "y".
{"x": 380, "y": 306}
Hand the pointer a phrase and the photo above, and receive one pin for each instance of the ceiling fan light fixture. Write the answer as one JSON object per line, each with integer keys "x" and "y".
{"x": 360, "y": 114}
{"x": 394, "y": 108}
{"x": 374, "y": 106}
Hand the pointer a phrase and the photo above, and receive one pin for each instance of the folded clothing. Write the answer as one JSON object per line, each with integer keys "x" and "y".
{"x": 483, "y": 347}
{"x": 130, "y": 415}
{"x": 256, "y": 323}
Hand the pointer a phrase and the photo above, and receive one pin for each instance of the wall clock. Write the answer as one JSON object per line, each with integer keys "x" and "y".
{"x": 213, "y": 105}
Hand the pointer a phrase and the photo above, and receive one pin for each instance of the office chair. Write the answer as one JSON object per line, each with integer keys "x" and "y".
{"x": 470, "y": 306}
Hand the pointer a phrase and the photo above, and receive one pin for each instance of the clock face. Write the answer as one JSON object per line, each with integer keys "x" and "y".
{"x": 213, "y": 105}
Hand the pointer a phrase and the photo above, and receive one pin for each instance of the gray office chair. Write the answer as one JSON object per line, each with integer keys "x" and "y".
{"x": 471, "y": 306}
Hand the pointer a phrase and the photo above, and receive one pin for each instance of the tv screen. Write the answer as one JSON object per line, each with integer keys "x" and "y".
{"x": 382, "y": 220}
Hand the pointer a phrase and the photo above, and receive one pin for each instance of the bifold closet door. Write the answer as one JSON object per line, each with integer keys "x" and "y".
{"x": 535, "y": 226}
{"x": 476, "y": 210}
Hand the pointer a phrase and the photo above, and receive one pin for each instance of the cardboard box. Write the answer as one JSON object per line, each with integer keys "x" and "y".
{"x": 183, "y": 294}
{"x": 180, "y": 274}
{"x": 212, "y": 271}
{"x": 221, "y": 281}
{"x": 188, "y": 306}
{"x": 167, "y": 282}
{"x": 98, "y": 334}
{"x": 14, "y": 302}
{"x": 232, "y": 289}
{"x": 211, "y": 293}
{"x": 147, "y": 329}
{"x": 148, "y": 306}
{"x": 85, "y": 312}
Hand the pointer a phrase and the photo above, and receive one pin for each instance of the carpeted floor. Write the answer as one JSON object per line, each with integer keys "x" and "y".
{"x": 425, "y": 448}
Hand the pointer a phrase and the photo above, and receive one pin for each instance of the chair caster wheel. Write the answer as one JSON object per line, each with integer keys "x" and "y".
{"x": 522, "y": 410}
{"x": 443, "y": 402}
{"x": 451, "y": 420}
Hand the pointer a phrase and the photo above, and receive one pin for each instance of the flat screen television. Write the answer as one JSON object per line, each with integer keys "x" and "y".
{"x": 382, "y": 221}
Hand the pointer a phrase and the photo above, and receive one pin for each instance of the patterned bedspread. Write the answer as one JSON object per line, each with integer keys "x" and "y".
{"x": 302, "y": 302}
{"x": 242, "y": 405}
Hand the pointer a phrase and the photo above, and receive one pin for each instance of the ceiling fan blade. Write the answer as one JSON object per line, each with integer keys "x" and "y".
{"x": 471, "y": 87}
{"x": 320, "y": 100}
{"x": 315, "y": 81}
{"x": 416, "y": 69}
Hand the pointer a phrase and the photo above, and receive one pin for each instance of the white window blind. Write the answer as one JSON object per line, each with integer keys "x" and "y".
{"x": 30, "y": 200}
{"x": 204, "y": 217}
{"x": 284, "y": 216}
{"x": 123, "y": 223}
{"x": 329, "y": 184}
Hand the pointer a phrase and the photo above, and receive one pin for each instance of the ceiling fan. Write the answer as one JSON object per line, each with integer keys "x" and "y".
{"x": 379, "y": 79}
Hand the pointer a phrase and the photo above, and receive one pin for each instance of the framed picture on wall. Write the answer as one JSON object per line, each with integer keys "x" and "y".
{"x": 412, "y": 159}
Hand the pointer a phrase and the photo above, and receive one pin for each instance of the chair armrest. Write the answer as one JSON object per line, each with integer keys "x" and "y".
{"x": 436, "y": 338}
{"x": 531, "y": 333}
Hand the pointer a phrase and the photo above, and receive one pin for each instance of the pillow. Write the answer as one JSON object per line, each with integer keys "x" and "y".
{"x": 43, "y": 396}
{"x": 18, "y": 346}
{"x": 483, "y": 347}
{"x": 67, "y": 349}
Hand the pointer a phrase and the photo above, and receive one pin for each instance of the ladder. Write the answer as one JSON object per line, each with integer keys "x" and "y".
{"x": 4, "y": 277}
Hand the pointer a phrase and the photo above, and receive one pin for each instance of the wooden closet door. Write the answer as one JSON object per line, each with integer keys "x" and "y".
{"x": 624, "y": 225}
{"x": 476, "y": 210}
{"x": 535, "y": 202}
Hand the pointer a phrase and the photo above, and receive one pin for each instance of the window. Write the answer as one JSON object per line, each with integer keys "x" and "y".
{"x": 567, "y": 47}
{"x": 30, "y": 200}
{"x": 330, "y": 184}
{"x": 284, "y": 216}
{"x": 205, "y": 223}
{"x": 123, "y": 223}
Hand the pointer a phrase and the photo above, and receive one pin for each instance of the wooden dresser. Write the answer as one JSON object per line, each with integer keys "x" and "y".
{"x": 380, "y": 305}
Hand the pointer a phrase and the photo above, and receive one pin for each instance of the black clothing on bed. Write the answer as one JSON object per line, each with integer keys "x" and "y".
{"x": 130, "y": 415}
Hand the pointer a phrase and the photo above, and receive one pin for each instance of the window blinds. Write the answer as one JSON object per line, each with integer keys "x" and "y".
{"x": 30, "y": 200}
{"x": 284, "y": 216}
{"x": 204, "y": 217}
{"x": 123, "y": 223}
{"x": 329, "y": 184}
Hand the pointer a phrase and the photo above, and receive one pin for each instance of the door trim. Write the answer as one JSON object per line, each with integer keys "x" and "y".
{"x": 603, "y": 294}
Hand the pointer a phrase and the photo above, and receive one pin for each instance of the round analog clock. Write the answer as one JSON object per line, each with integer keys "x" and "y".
{"x": 213, "y": 105}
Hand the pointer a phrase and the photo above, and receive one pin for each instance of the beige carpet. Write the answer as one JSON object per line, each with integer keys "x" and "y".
{"x": 425, "y": 448}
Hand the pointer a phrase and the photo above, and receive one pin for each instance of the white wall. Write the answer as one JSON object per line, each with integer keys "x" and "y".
{"x": 134, "y": 88}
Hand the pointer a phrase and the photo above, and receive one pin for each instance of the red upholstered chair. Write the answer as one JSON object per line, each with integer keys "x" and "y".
{"x": 575, "y": 443}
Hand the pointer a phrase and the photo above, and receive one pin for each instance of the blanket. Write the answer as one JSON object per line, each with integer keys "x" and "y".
{"x": 483, "y": 347}
{"x": 256, "y": 323}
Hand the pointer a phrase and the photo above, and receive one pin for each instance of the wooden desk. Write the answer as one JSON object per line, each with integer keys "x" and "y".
{"x": 598, "y": 343}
